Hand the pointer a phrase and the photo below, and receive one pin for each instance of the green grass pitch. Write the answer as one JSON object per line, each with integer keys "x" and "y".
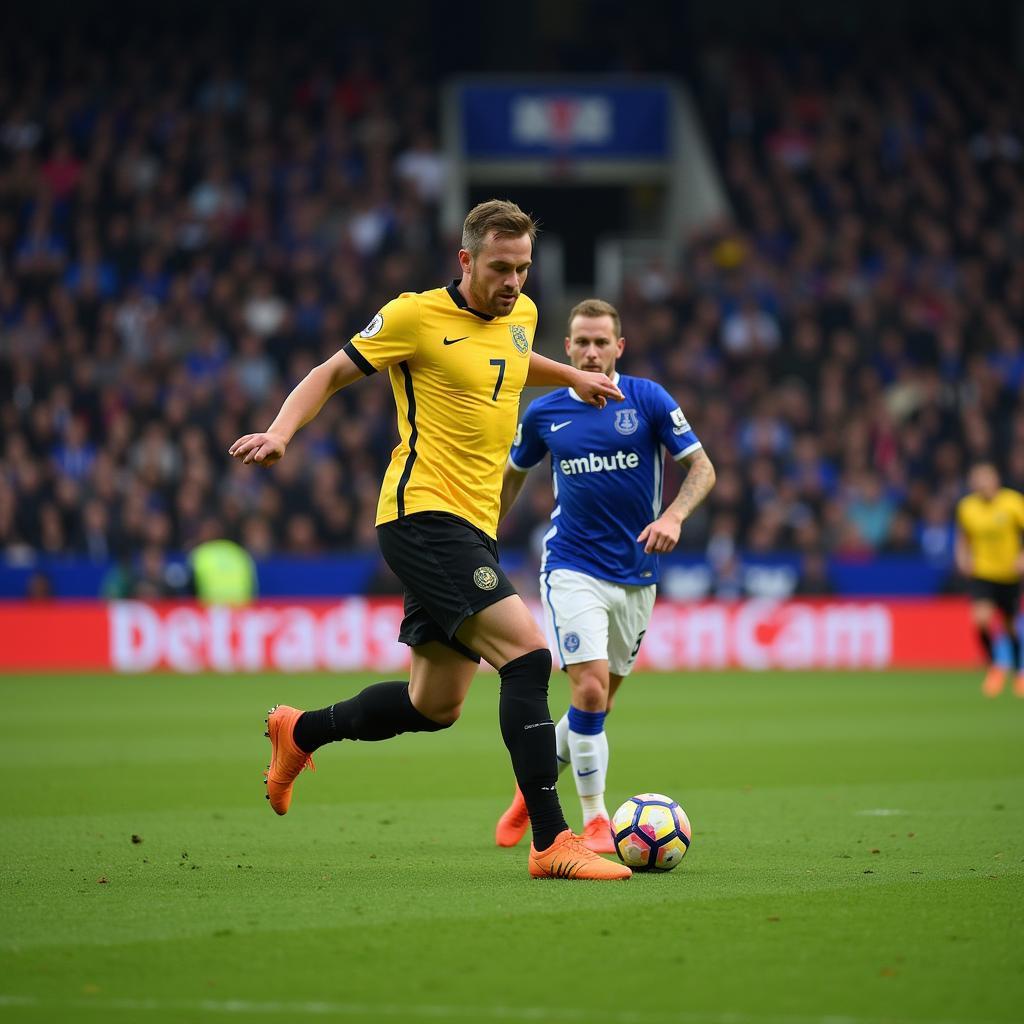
{"x": 858, "y": 857}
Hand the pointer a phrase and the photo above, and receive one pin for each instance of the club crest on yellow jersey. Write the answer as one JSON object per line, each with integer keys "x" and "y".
{"x": 519, "y": 339}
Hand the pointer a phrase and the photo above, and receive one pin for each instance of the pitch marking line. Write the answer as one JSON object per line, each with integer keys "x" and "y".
{"x": 881, "y": 812}
{"x": 426, "y": 1012}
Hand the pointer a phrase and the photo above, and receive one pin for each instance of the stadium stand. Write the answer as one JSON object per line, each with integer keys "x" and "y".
{"x": 853, "y": 340}
{"x": 183, "y": 236}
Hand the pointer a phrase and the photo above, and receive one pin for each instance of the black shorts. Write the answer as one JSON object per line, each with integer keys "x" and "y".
{"x": 1005, "y": 596}
{"x": 449, "y": 570}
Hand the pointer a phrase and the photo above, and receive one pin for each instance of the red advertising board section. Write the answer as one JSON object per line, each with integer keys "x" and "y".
{"x": 358, "y": 633}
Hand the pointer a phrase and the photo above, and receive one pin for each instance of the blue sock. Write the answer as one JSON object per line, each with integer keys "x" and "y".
{"x": 586, "y": 723}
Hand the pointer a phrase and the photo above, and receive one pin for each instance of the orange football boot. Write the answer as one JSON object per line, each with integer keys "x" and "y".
{"x": 286, "y": 759}
{"x": 597, "y": 835}
{"x": 1018, "y": 685}
{"x": 512, "y": 825}
{"x": 568, "y": 857}
{"x": 995, "y": 680}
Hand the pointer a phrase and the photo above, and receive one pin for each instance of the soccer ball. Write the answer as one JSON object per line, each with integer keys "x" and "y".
{"x": 651, "y": 832}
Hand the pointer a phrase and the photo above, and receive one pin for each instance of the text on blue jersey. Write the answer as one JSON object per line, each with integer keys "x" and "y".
{"x": 607, "y": 467}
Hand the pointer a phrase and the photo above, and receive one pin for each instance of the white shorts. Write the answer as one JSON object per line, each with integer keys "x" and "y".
{"x": 594, "y": 620}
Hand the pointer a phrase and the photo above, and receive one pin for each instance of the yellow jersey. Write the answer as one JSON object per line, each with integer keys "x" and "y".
{"x": 993, "y": 533}
{"x": 457, "y": 375}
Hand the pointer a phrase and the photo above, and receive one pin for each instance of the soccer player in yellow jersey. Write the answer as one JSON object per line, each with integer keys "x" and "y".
{"x": 458, "y": 358}
{"x": 990, "y": 521}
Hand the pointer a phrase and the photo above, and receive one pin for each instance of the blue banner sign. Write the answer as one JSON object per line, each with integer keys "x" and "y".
{"x": 616, "y": 122}
{"x": 684, "y": 575}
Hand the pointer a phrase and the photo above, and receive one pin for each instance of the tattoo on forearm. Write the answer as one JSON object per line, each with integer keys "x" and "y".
{"x": 697, "y": 484}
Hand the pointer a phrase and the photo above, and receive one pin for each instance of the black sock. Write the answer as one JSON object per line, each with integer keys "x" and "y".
{"x": 986, "y": 642}
{"x": 529, "y": 734}
{"x": 376, "y": 713}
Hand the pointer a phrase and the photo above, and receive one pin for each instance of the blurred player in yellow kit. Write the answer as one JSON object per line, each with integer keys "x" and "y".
{"x": 990, "y": 521}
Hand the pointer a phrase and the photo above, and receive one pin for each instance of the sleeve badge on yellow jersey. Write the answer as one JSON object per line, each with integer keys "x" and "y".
{"x": 373, "y": 327}
{"x": 519, "y": 339}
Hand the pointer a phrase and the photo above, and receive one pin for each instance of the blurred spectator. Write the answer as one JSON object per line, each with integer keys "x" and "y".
{"x": 750, "y": 331}
{"x": 728, "y": 580}
{"x": 223, "y": 572}
{"x": 814, "y": 579}
{"x": 422, "y": 166}
{"x": 39, "y": 587}
{"x": 901, "y": 538}
{"x": 154, "y": 576}
{"x": 265, "y": 311}
{"x": 869, "y": 510}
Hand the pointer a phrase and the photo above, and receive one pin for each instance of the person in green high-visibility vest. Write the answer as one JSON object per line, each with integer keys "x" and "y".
{"x": 223, "y": 572}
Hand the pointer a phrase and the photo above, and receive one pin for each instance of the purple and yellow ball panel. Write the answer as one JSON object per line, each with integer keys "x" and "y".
{"x": 633, "y": 849}
{"x": 657, "y": 821}
{"x": 669, "y": 855}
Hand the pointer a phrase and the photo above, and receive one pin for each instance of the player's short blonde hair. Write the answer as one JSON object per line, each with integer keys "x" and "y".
{"x": 502, "y": 217}
{"x": 596, "y": 307}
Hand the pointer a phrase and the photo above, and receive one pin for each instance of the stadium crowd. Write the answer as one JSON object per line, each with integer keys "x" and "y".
{"x": 852, "y": 341}
{"x": 179, "y": 243}
{"x": 183, "y": 237}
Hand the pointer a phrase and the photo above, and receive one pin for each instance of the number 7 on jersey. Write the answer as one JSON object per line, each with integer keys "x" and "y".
{"x": 500, "y": 364}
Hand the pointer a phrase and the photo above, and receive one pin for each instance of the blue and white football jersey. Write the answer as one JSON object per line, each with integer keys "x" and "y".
{"x": 607, "y": 467}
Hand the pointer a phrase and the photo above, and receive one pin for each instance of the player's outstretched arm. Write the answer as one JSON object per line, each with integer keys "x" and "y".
{"x": 305, "y": 401}
{"x": 662, "y": 535}
{"x": 594, "y": 388}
